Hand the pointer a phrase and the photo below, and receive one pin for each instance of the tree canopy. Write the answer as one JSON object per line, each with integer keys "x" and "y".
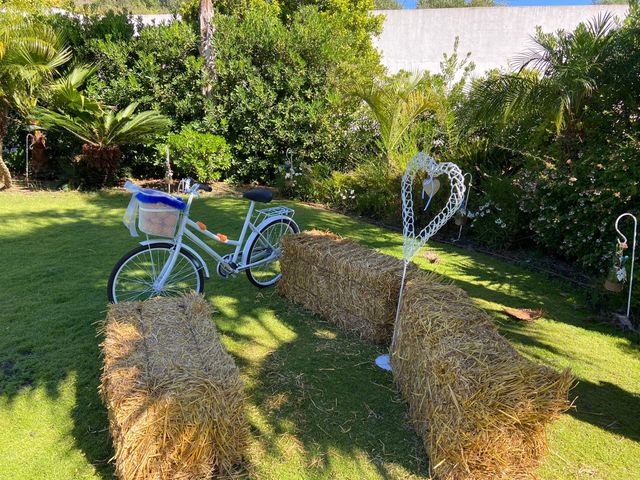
{"x": 455, "y": 3}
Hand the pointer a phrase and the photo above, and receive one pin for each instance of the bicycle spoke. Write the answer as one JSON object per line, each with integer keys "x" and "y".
{"x": 142, "y": 268}
{"x": 266, "y": 253}
{"x": 182, "y": 279}
{"x": 141, "y": 282}
{"x": 183, "y": 268}
{"x": 137, "y": 277}
{"x": 128, "y": 297}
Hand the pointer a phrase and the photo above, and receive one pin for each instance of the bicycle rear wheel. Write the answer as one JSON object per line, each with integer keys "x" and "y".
{"x": 265, "y": 245}
{"x": 133, "y": 276}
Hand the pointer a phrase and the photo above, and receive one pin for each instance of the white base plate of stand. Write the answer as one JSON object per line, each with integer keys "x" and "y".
{"x": 384, "y": 362}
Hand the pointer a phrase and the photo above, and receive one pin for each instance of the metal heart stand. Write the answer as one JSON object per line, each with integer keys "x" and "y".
{"x": 412, "y": 241}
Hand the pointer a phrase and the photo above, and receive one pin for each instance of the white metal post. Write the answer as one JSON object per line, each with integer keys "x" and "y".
{"x": 633, "y": 253}
{"x": 28, "y": 146}
{"x": 465, "y": 204}
{"x": 247, "y": 221}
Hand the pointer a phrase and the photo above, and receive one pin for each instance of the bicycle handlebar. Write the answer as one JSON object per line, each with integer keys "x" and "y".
{"x": 195, "y": 186}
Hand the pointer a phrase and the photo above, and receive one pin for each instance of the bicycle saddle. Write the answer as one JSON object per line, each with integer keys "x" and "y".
{"x": 259, "y": 195}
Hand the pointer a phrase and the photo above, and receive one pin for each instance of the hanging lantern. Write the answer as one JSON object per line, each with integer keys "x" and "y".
{"x": 617, "y": 275}
{"x": 460, "y": 217}
{"x": 612, "y": 283}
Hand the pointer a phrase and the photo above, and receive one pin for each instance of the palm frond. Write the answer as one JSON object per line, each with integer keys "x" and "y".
{"x": 555, "y": 79}
{"x": 30, "y": 54}
{"x": 140, "y": 126}
{"x": 396, "y": 105}
{"x": 104, "y": 127}
{"x": 48, "y": 119}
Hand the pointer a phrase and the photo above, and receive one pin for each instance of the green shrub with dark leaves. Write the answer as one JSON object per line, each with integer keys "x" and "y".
{"x": 573, "y": 205}
{"x": 202, "y": 156}
{"x": 284, "y": 84}
{"x": 565, "y": 130}
{"x": 160, "y": 69}
{"x": 494, "y": 213}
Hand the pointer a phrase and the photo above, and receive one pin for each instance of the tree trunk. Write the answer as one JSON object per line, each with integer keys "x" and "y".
{"x": 39, "y": 155}
{"x": 5, "y": 175}
{"x": 102, "y": 163}
{"x": 207, "y": 29}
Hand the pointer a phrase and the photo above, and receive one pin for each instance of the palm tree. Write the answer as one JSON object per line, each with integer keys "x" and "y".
{"x": 103, "y": 130}
{"x": 396, "y": 105}
{"x": 555, "y": 81}
{"x": 30, "y": 55}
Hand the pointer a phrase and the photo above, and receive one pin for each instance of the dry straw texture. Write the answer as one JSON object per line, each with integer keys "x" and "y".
{"x": 351, "y": 285}
{"x": 479, "y": 405}
{"x": 174, "y": 395}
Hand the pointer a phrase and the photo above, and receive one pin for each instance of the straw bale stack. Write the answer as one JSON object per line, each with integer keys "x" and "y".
{"x": 355, "y": 287}
{"x": 174, "y": 395}
{"x": 479, "y": 405}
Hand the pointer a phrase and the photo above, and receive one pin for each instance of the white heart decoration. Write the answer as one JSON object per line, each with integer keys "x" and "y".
{"x": 413, "y": 242}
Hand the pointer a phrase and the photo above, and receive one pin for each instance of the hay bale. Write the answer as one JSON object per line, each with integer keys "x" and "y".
{"x": 174, "y": 395}
{"x": 355, "y": 287}
{"x": 479, "y": 405}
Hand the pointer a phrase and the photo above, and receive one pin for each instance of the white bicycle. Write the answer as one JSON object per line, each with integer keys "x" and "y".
{"x": 169, "y": 267}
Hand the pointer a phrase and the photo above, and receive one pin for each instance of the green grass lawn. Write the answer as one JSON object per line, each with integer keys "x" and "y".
{"x": 318, "y": 406}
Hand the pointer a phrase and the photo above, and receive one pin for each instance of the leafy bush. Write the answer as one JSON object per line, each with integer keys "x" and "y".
{"x": 388, "y": 5}
{"x": 284, "y": 86}
{"x": 160, "y": 69}
{"x": 79, "y": 31}
{"x": 367, "y": 190}
{"x": 573, "y": 205}
{"x": 567, "y": 135}
{"x": 204, "y": 156}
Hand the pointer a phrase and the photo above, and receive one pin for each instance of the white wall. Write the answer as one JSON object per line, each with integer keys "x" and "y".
{"x": 415, "y": 40}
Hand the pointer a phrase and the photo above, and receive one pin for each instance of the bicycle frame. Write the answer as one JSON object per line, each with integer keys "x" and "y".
{"x": 235, "y": 262}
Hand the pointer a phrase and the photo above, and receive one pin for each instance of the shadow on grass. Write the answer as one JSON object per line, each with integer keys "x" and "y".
{"x": 319, "y": 394}
{"x": 314, "y": 390}
{"x": 66, "y": 252}
{"x": 53, "y": 293}
{"x": 608, "y": 407}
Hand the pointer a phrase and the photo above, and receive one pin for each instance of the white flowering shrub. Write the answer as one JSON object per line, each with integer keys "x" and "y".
{"x": 494, "y": 213}
{"x": 573, "y": 205}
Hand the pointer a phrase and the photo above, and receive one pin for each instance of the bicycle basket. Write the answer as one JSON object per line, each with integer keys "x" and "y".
{"x": 158, "y": 219}
{"x": 158, "y": 212}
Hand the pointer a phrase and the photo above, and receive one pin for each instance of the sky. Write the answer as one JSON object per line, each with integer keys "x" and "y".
{"x": 516, "y": 3}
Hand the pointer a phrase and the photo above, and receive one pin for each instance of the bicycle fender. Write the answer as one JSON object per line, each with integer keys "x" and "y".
{"x": 197, "y": 256}
{"x": 260, "y": 226}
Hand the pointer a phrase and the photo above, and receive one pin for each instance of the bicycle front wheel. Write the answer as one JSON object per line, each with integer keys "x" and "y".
{"x": 134, "y": 275}
{"x": 267, "y": 245}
